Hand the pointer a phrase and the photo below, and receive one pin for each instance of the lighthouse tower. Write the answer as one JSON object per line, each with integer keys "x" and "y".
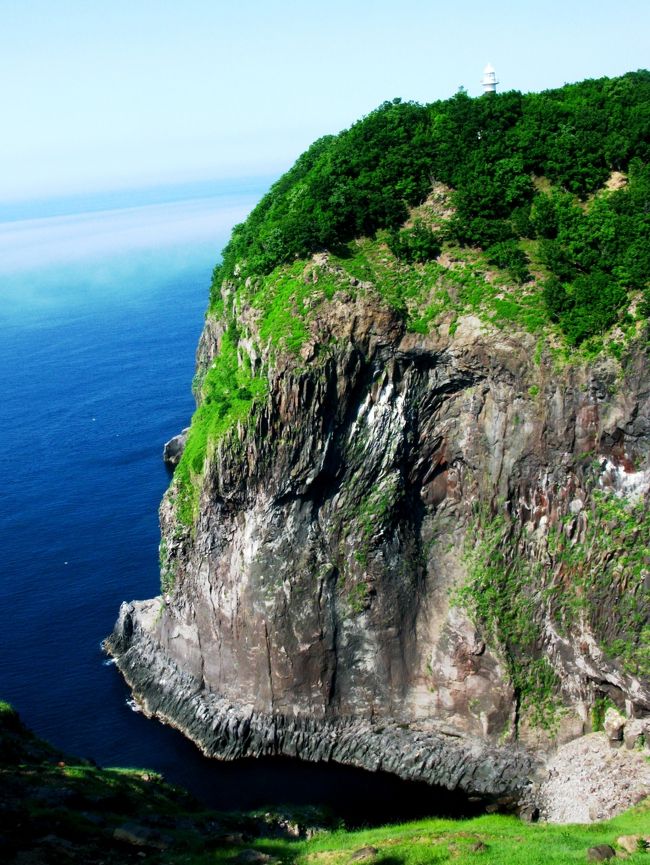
{"x": 489, "y": 80}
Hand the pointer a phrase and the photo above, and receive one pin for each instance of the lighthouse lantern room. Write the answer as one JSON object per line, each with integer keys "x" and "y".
{"x": 489, "y": 80}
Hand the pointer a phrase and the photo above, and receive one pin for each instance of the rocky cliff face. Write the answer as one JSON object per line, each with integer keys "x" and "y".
{"x": 421, "y": 553}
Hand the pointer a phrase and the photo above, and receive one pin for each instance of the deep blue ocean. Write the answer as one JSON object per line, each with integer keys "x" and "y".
{"x": 101, "y": 306}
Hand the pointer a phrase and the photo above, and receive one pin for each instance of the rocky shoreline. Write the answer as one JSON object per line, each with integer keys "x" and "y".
{"x": 591, "y": 778}
{"x": 221, "y": 729}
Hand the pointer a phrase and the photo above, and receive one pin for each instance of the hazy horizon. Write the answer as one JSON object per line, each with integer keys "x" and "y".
{"x": 137, "y": 95}
{"x": 129, "y": 195}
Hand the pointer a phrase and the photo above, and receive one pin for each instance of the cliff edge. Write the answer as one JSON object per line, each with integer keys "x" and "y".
{"x": 409, "y": 529}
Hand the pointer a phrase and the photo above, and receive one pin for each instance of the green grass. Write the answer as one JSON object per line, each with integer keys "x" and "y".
{"x": 229, "y": 391}
{"x": 506, "y": 840}
{"x": 423, "y": 293}
{"x": 286, "y": 300}
{"x": 377, "y": 507}
{"x": 358, "y": 598}
{"x": 607, "y": 573}
{"x": 501, "y": 597}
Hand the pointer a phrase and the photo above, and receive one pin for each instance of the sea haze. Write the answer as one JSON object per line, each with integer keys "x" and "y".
{"x": 100, "y": 313}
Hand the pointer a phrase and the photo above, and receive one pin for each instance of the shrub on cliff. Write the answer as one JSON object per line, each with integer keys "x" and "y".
{"x": 418, "y": 243}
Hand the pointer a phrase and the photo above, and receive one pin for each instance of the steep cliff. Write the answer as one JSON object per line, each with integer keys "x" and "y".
{"x": 409, "y": 530}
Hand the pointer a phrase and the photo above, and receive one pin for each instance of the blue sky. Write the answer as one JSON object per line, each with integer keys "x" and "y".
{"x": 136, "y": 92}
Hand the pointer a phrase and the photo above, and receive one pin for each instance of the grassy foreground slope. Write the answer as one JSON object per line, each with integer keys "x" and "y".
{"x": 491, "y": 840}
{"x": 58, "y": 808}
{"x": 55, "y": 808}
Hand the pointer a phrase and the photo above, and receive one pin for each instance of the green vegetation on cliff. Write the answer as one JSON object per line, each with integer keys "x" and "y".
{"x": 501, "y": 595}
{"x": 588, "y": 570}
{"x": 228, "y": 391}
{"x": 522, "y": 167}
{"x": 606, "y": 571}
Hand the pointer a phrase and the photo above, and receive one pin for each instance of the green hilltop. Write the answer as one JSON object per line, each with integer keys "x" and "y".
{"x": 522, "y": 167}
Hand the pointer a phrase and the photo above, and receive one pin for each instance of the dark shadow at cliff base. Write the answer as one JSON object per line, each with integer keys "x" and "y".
{"x": 358, "y": 797}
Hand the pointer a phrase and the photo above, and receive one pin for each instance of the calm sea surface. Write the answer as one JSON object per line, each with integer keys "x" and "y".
{"x": 101, "y": 306}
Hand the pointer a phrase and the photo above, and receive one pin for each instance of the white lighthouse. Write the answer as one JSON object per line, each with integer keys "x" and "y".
{"x": 489, "y": 80}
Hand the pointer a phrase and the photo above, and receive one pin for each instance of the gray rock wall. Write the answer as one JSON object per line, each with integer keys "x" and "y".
{"x": 316, "y": 588}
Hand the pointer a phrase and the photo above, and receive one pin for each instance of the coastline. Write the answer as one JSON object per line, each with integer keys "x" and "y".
{"x": 225, "y": 731}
